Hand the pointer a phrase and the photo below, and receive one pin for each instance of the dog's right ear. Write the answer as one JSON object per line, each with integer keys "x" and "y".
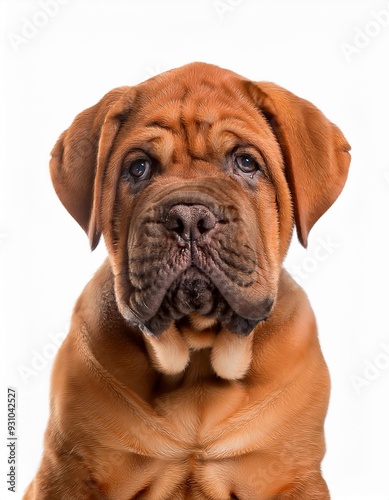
{"x": 79, "y": 158}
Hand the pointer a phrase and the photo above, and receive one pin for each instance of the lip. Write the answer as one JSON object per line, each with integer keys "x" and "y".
{"x": 193, "y": 291}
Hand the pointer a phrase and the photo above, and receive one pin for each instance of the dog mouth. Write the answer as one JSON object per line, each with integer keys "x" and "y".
{"x": 194, "y": 291}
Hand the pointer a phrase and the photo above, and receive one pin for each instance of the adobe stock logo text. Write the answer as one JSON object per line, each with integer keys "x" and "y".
{"x": 30, "y": 26}
{"x": 363, "y": 36}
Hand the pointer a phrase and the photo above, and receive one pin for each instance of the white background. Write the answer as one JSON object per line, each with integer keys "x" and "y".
{"x": 315, "y": 49}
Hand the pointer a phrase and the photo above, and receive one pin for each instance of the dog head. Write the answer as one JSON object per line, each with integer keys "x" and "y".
{"x": 196, "y": 178}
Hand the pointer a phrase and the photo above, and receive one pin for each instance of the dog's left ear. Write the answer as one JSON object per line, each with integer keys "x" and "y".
{"x": 79, "y": 158}
{"x": 315, "y": 152}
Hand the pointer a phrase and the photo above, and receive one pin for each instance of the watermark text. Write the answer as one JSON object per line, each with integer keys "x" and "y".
{"x": 12, "y": 439}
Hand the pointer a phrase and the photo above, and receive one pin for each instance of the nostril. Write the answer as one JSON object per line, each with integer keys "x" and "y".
{"x": 202, "y": 226}
{"x": 176, "y": 225}
{"x": 178, "y": 220}
{"x": 203, "y": 220}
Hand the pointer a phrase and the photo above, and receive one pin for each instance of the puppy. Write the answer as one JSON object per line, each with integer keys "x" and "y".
{"x": 192, "y": 369}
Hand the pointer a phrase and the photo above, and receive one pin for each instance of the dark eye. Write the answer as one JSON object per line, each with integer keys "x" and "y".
{"x": 140, "y": 169}
{"x": 246, "y": 163}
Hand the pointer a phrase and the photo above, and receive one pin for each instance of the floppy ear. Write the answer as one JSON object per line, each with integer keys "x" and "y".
{"x": 80, "y": 155}
{"x": 315, "y": 152}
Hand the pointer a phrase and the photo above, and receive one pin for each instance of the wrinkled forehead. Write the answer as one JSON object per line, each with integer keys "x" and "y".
{"x": 175, "y": 102}
{"x": 201, "y": 115}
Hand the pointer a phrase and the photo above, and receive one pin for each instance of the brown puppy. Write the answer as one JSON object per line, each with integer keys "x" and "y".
{"x": 192, "y": 369}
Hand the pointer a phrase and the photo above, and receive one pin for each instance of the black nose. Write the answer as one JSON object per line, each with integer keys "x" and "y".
{"x": 190, "y": 221}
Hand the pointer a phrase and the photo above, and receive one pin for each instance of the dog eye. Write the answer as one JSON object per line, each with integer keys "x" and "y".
{"x": 246, "y": 164}
{"x": 139, "y": 169}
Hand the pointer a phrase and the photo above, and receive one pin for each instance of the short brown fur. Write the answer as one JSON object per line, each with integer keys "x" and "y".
{"x": 162, "y": 390}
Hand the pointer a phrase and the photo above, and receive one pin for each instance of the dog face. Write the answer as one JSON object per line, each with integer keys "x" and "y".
{"x": 195, "y": 178}
{"x": 192, "y": 179}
